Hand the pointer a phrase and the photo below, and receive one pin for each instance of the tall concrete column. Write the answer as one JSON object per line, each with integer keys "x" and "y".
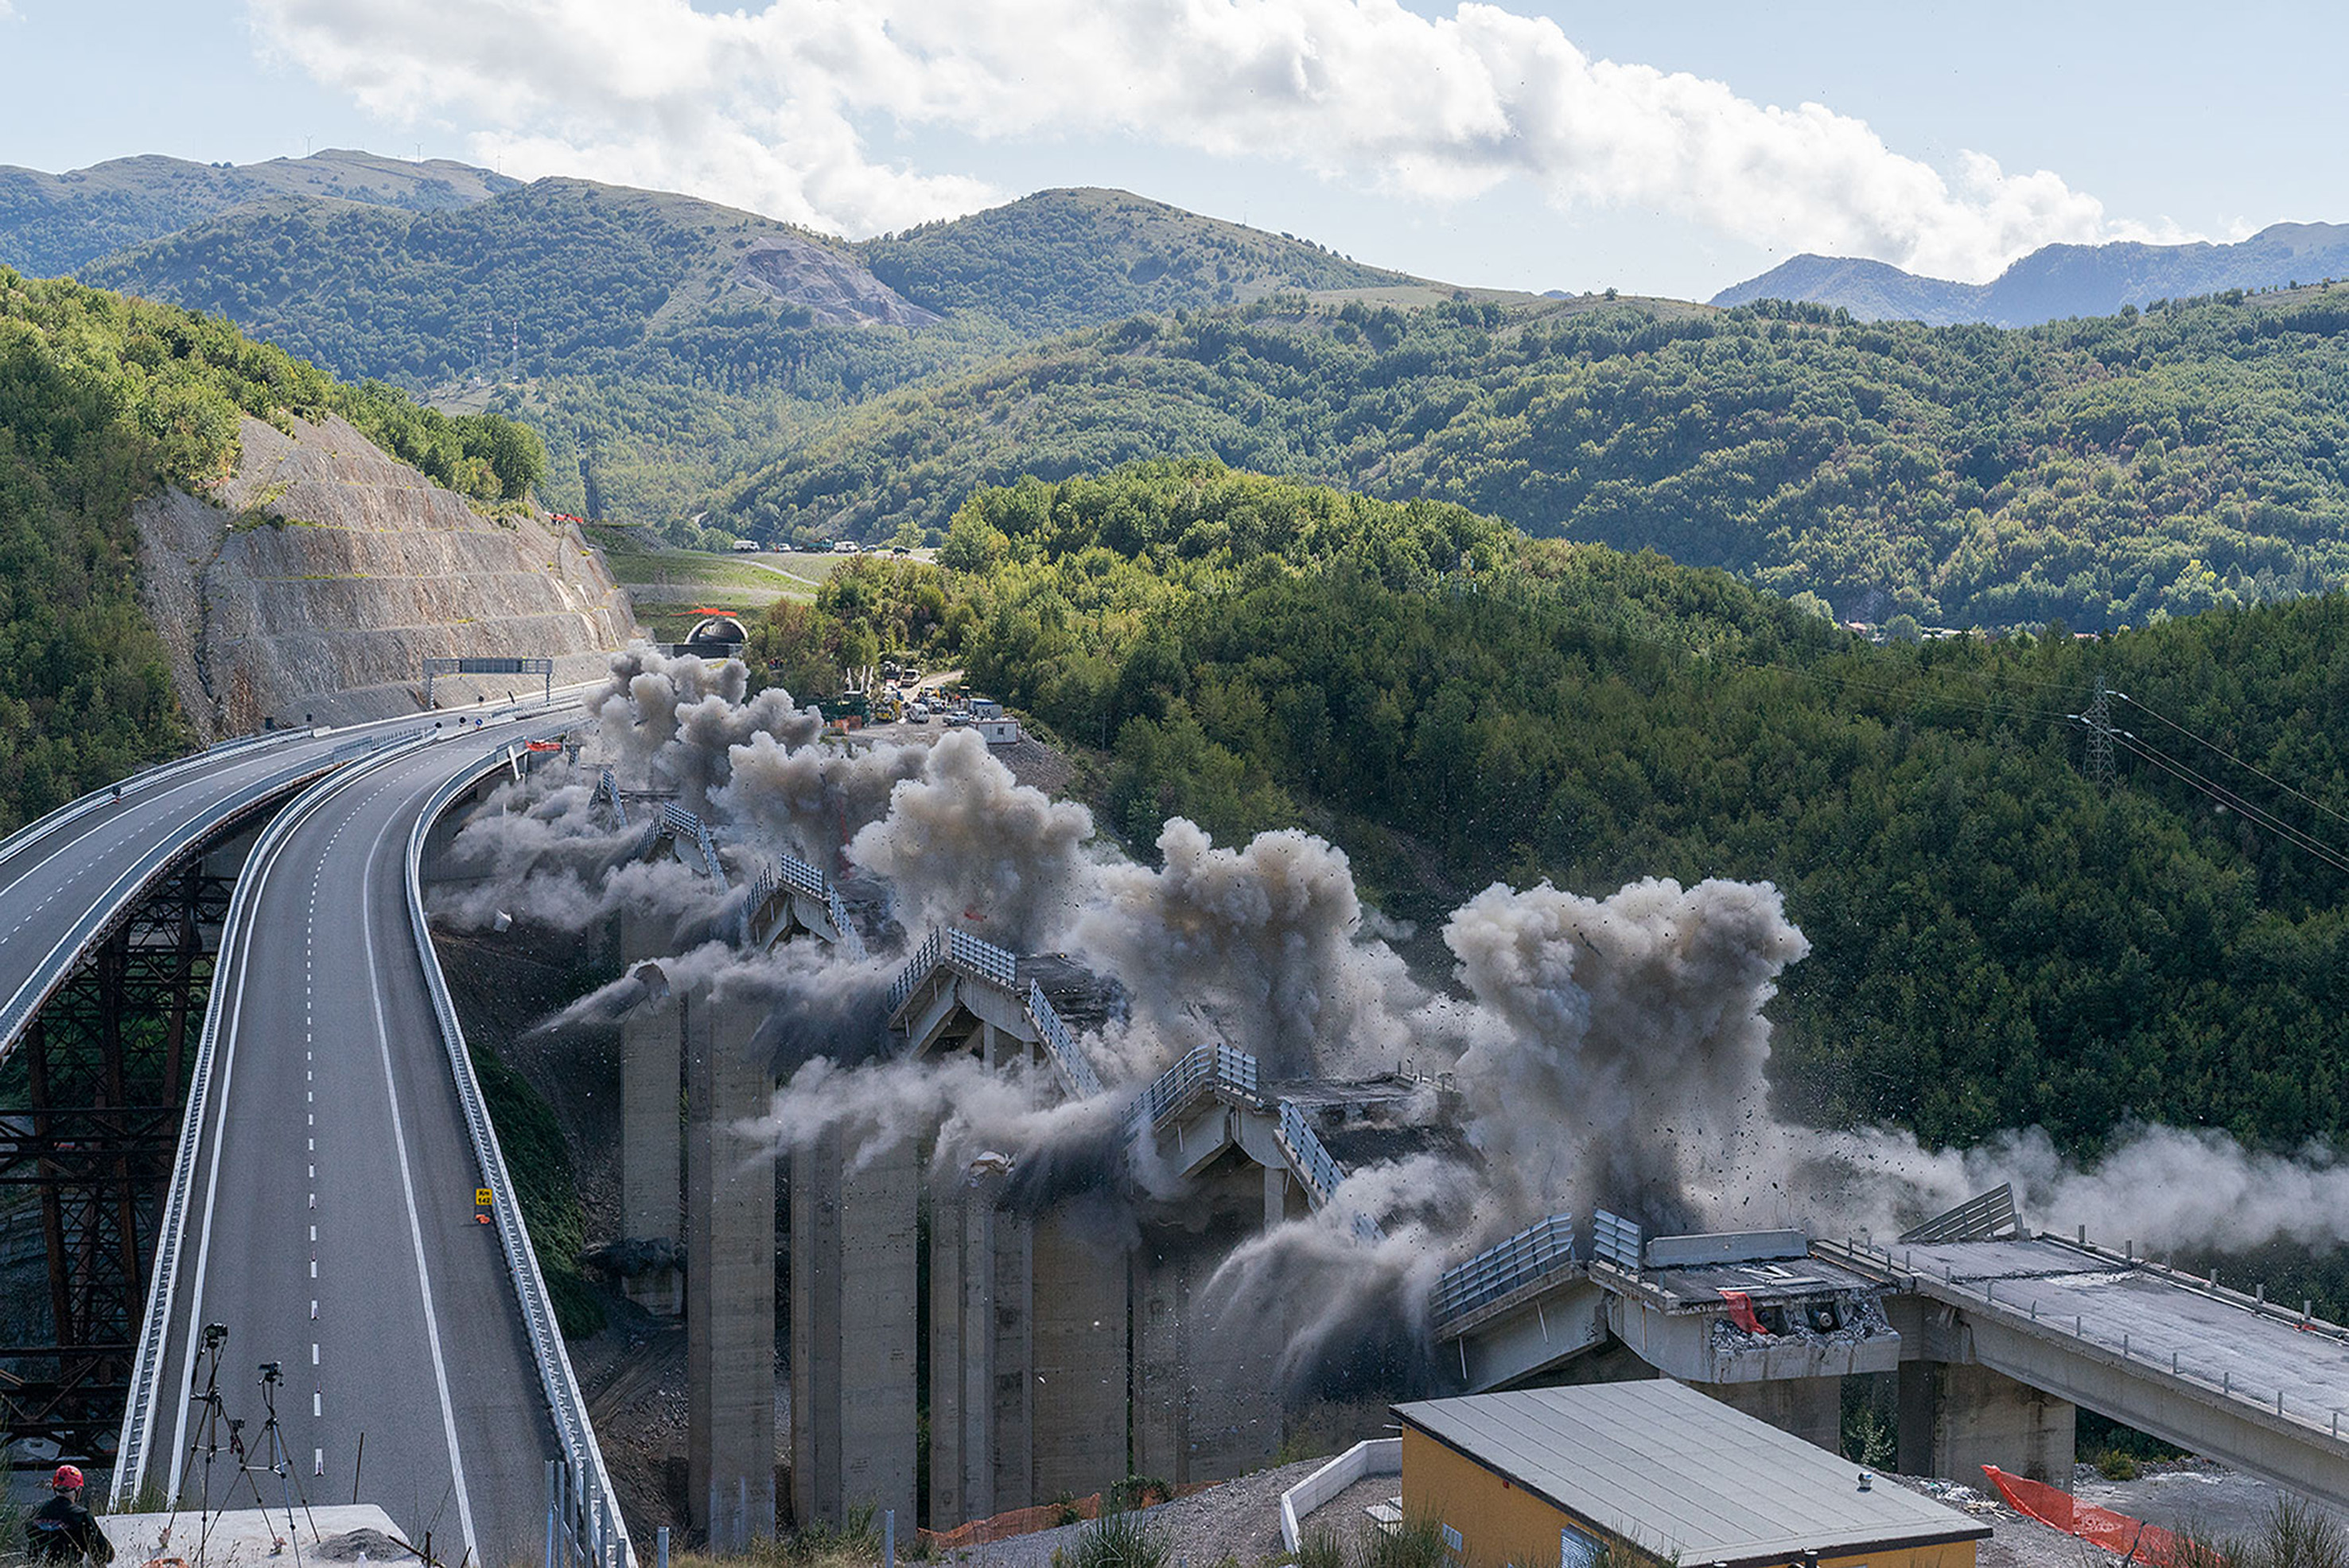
{"x": 854, "y": 1233}
{"x": 1079, "y": 1409}
{"x": 652, "y": 1151}
{"x": 1956, "y": 1417}
{"x": 730, "y": 1282}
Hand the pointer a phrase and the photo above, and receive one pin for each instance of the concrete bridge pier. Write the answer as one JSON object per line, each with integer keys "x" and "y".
{"x": 854, "y": 1234}
{"x": 652, "y": 1150}
{"x": 729, "y": 1294}
{"x": 982, "y": 1345}
{"x": 1956, "y": 1418}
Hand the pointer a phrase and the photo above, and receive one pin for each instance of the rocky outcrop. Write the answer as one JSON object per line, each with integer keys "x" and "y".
{"x": 314, "y": 583}
{"x": 832, "y": 286}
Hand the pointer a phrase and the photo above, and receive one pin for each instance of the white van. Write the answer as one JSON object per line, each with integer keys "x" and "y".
{"x": 846, "y": 548}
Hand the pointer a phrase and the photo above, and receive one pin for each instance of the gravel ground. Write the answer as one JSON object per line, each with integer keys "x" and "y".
{"x": 1241, "y": 1518}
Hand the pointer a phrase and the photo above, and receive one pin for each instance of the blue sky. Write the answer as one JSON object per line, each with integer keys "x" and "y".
{"x": 2152, "y": 123}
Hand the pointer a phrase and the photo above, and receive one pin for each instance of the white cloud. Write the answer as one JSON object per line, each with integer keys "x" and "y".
{"x": 763, "y": 109}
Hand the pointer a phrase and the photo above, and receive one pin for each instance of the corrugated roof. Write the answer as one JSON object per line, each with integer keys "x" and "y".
{"x": 1676, "y": 1473}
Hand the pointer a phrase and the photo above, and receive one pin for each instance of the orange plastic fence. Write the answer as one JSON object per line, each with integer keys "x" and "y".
{"x": 1028, "y": 1521}
{"x": 2117, "y": 1533}
{"x": 1018, "y": 1521}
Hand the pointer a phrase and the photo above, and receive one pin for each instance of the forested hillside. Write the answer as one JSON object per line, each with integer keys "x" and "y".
{"x": 52, "y": 223}
{"x": 650, "y": 337}
{"x": 1060, "y": 260}
{"x": 101, "y": 399}
{"x": 2101, "y": 472}
{"x": 1997, "y": 942}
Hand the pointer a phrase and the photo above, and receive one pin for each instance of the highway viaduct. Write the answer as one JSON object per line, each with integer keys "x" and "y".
{"x": 327, "y": 1025}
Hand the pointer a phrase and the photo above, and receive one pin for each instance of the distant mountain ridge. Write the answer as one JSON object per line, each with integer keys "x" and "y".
{"x": 2056, "y": 282}
{"x": 52, "y": 223}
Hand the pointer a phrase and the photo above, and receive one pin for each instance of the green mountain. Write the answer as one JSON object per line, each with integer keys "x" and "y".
{"x": 662, "y": 342}
{"x": 2100, "y": 472}
{"x": 2057, "y": 281}
{"x": 52, "y": 223}
{"x": 1064, "y": 259}
{"x": 103, "y": 399}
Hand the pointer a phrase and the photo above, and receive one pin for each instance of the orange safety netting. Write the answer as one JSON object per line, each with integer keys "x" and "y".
{"x": 1028, "y": 1521}
{"x": 2117, "y": 1533}
{"x": 1018, "y": 1521}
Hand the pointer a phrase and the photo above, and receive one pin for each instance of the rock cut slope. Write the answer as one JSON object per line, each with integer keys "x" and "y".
{"x": 317, "y": 577}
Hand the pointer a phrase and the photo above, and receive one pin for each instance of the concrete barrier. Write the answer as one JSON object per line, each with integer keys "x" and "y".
{"x": 1379, "y": 1456}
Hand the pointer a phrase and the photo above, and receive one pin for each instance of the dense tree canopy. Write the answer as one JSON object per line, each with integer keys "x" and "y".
{"x": 2105, "y": 472}
{"x": 1996, "y": 942}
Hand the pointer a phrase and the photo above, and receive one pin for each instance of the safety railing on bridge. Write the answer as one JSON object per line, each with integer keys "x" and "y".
{"x": 1204, "y": 1069}
{"x": 1061, "y": 1044}
{"x": 924, "y": 958}
{"x": 2124, "y": 1349}
{"x": 1538, "y": 1250}
{"x": 1320, "y": 1173}
{"x": 607, "y": 787}
{"x": 678, "y": 825}
{"x": 588, "y": 1515}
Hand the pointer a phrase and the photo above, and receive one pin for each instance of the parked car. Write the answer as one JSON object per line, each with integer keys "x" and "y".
{"x": 846, "y": 548}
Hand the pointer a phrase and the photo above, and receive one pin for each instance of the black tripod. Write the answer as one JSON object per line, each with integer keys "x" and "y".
{"x": 280, "y": 1462}
{"x": 203, "y": 1386}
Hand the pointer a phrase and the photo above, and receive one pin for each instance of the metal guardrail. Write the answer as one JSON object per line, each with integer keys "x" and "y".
{"x": 131, "y": 1446}
{"x": 924, "y": 958}
{"x": 676, "y": 823}
{"x": 607, "y": 787}
{"x": 1615, "y": 1240}
{"x": 791, "y": 871}
{"x": 596, "y": 1518}
{"x": 1306, "y": 1152}
{"x": 982, "y": 960}
{"x": 1203, "y": 1069}
{"x": 1504, "y": 1267}
{"x": 126, "y": 889}
{"x": 1061, "y": 1044}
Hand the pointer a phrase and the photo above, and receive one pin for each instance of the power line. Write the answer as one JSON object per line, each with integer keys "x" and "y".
{"x": 2248, "y": 767}
{"x": 2258, "y": 816}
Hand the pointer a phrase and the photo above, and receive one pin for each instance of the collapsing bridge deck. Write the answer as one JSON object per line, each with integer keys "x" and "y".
{"x": 2229, "y": 1376}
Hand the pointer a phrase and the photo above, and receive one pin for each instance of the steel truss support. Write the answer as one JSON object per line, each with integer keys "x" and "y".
{"x": 90, "y": 1130}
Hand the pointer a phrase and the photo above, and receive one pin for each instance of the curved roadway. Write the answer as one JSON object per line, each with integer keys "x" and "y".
{"x": 60, "y": 883}
{"x": 333, "y": 1229}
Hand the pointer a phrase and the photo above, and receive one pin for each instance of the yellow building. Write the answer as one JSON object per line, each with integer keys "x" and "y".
{"x": 1560, "y": 1475}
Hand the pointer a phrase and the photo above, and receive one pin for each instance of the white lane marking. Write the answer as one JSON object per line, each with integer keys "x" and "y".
{"x": 314, "y": 1268}
{"x": 313, "y": 1352}
{"x": 219, "y": 1137}
{"x": 408, "y": 1184}
{"x": 318, "y": 1462}
{"x": 315, "y": 1399}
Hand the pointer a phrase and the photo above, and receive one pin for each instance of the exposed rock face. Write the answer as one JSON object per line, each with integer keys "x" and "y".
{"x": 331, "y": 612}
{"x": 828, "y": 283}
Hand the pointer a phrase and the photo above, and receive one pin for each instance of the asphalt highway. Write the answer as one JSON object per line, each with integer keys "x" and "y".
{"x": 333, "y": 1230}
{"x": 53, "y": 882}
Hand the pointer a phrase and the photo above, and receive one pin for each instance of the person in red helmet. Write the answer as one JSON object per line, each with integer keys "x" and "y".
{"x": 62, "y": 1530}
